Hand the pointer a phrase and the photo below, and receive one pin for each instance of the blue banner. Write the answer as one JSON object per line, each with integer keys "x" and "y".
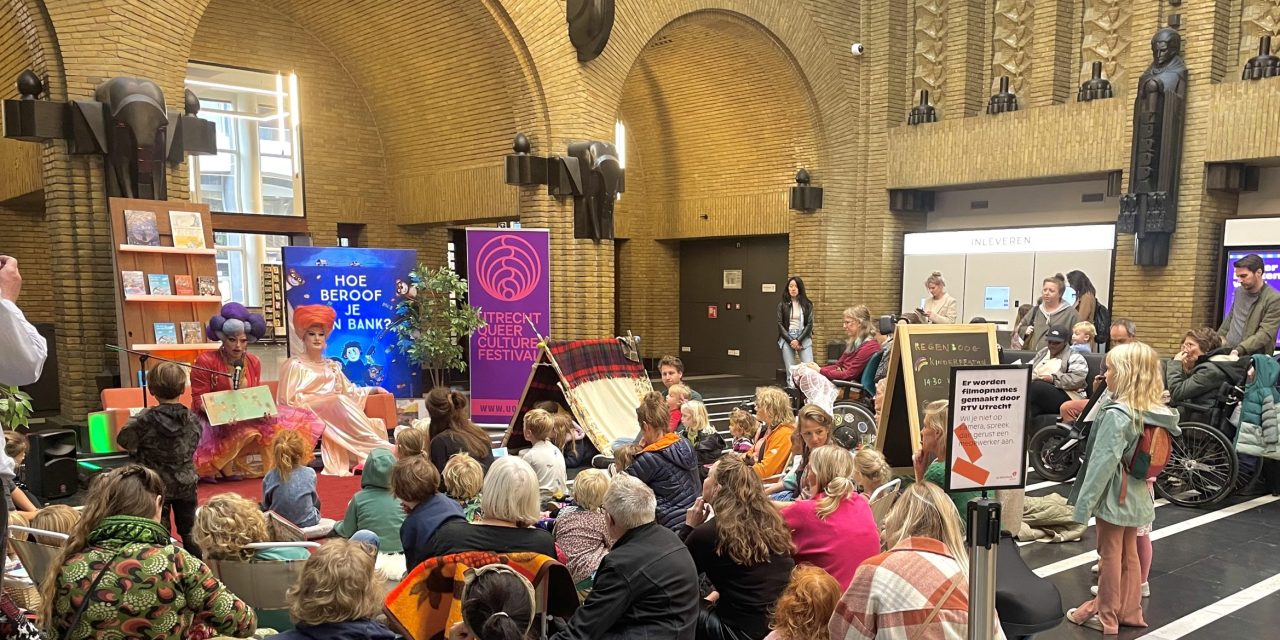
{"x": 363, "y": 287}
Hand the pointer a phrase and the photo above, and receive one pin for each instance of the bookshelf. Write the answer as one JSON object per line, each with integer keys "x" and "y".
{"x": 139, "y": 313}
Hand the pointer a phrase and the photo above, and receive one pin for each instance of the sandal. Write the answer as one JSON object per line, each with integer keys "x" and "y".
{"x": 1092, "y": 622}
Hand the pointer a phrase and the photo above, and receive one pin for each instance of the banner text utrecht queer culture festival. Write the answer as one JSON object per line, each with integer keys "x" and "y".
{"x": 508, "y": 280}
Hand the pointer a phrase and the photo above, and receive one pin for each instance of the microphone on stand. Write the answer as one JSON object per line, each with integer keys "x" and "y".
{"x": 235, "y": 375}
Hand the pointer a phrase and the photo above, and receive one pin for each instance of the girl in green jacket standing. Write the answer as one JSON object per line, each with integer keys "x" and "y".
{"x": 1106, "y": 490}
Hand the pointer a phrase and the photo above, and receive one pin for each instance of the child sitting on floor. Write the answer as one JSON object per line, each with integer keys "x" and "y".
{"x": 623, "y": 457}
{"x": 373, "y": 508}
{"x": 463, "y": 478}
{"x": 289, "y": 488}
{"x": 58, "y": 518}
{"x": 15, "y": 446}
{"x": 412, "y": 442}
{"x": 742, "y": 428}
{"x": 163, "y": 439}
{"x": 581, "y": 531}
{"x": 338, "y": 595}
{"x": 544, "y": 456}
{"x": 416, "y": 483}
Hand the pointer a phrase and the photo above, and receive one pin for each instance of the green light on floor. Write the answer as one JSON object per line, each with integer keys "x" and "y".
{"x": 89, "y": 465}
{"x": 100, "y": 440}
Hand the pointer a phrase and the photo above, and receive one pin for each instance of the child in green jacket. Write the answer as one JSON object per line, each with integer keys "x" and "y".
{"x": 373, "y": 507}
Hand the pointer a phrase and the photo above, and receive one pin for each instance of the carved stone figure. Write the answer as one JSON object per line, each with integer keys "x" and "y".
{"x": 136, "y": 144}
{"x": 1149, "y": 210}
{"x": 590, "y": 23}
{"x": 601, "y": 182}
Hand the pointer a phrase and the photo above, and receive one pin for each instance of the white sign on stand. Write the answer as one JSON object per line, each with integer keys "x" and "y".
{"x": 986, "y": 434}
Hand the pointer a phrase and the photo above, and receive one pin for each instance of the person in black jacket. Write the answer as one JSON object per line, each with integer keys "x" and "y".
{"x": 666, "y": 462}
{"x": 795, "y": 327}
{"x": 647, "y": 586}
{"x": 164, "y": 439}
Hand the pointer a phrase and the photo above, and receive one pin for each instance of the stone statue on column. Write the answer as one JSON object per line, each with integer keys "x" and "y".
{"x": 1150, "y": 208}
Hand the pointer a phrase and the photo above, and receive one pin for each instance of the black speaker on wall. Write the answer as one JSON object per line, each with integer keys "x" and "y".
{"x": 51, "y": 464}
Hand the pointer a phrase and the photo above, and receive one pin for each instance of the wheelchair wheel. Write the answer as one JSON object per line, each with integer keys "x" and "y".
{"x": 1048, "y": 457}
{"x": 1202, "y": 469}
{"x": 853, "y": 422}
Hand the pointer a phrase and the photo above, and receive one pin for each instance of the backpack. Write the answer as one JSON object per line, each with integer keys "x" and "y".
{"x": 1151, "y": 454}
{"x": 1102, "y": 322}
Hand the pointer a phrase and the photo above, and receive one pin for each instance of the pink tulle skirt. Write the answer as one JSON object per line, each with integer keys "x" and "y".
{"x": 226, "y": 448}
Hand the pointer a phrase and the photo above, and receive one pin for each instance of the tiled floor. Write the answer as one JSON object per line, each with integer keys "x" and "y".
{"x": 1215, "y": 580}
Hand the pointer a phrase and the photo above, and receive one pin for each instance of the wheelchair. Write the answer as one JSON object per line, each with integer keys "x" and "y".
{"x": 1203, "y": 468}
{"x": 853, "y": 412}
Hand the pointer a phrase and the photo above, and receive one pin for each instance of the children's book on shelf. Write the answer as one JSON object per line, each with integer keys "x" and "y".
{"x": 140, "y": 228}
{"x": 193, "y": 333}
{"x": 183, "y": 285}
{"x": 159, "y": 284}
{"x": 206, "y": 285}
{"x": 135, "y": 283}
{"x": 187, "y": 228}
{"x": 166, "y": 333}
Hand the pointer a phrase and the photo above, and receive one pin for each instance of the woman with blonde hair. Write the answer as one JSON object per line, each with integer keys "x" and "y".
{"x": 745, "y": 551}
{"x": 1107, "y": 491}
{"x": 119, "y": 534}
{"x": 834, "y": 530}
{"x": 805, "y": 607}
{"x": 814, "y": 430}
{"x": 939, "y": 307}
{"x": 906, "y": 592}
{"x": 871, "y": 471}
{"x": 509, "y": 500}
{"x": 338, "y": 595}
{"x": 707, "y": 444}
{"x": 773, "y": 447}
{"x": 859, "y": 348}
{"x": 933, "y": 448}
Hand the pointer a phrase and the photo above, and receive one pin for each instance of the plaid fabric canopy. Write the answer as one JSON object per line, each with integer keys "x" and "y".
{"x": 587, "y": 360}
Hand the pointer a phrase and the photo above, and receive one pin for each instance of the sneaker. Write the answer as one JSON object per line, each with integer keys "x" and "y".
{"x": 1093, "y": 622}
{"x": 1094, "y": 569}
{"x": 1146, "y": 590}
{"x": 601, "y": 461}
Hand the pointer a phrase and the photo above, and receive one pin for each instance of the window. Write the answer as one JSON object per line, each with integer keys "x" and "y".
{"x": 240, "y": 259}
{"x": 258, "y": 168}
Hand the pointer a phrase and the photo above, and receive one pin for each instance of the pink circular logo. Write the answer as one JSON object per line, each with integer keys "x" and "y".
{"x": 508, "y": 268}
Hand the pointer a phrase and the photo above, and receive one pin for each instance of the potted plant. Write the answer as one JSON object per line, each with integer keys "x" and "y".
{"x": 432, "y": 322}
{"x": 15, "y": 408}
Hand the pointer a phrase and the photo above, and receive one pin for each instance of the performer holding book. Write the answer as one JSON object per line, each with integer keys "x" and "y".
{"x": 223, "y": 449}
{"x": 312, "y": 381}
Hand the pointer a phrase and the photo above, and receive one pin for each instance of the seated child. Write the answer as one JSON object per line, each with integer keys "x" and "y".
{"x": 742, "y": 428}
{"x": 163, "y": 438}
{"x": 15, "y": 446}
{"x": 544, "y": 456}
{"x": 338, "y": 595}
{"x": 497, "y": 604}
{"x": 1082, "y": 335}
{"x": 805, "y": 607}
{"x": 373, "y": 508}
{"x": 623, "y": 457}
{"x": 58, "y": 518}
{"x": 289, "y": 488}
{"x": 228, "y": 522}
{"x": 416, "y": 483}
{"x": 412, "y": 442}
{"x": 677, "y": 394}
{"x": 463, "y": 478}
{"x": 581, "y": 531}
{"x": 706, "y": 442}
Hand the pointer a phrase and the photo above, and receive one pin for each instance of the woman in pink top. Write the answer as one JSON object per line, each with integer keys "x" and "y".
{"x": 836, "y": 530}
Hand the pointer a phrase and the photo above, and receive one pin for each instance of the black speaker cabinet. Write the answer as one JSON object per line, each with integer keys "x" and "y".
{"x": 51, "y": 464}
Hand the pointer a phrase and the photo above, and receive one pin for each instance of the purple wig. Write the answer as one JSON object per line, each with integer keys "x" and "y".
{"x": 235, "y": 320}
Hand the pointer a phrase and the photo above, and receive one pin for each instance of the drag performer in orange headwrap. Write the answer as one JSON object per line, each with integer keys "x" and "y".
{"x": 223, "y": 449}
{"x": 314, "y": 382}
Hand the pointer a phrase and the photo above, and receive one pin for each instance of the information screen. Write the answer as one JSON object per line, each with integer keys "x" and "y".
{"x": 996, "y": 298}
{"x": 1271, "y": 263}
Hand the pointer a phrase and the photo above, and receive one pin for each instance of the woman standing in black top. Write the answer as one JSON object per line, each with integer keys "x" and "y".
{"x": 745, "y": 552}
{"x": 795, "y": 327}
{"x": 452, "y": 431}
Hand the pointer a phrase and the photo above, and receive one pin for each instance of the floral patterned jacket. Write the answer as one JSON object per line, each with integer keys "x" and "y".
{"x": 149, "y": 589}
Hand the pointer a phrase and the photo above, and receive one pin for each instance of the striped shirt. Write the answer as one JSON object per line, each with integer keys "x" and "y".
{"x": 893, "y": 593}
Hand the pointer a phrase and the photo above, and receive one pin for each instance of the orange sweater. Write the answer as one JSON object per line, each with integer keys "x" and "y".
{"x": 777, "y": 451}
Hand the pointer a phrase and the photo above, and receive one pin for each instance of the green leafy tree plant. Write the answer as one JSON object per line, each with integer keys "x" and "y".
{"x": 432, "y": 321}
{"x": 15, "y": 408}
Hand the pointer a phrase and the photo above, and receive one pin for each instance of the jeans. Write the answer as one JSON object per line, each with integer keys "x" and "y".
{"x": 184, "y": 520}
{"x": 789, "y": 355}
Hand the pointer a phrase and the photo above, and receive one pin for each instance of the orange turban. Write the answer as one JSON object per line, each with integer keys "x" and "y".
{"x": 313, "y": 315}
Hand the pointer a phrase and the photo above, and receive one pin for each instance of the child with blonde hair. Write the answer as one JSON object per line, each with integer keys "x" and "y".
{"x": 59, "y": 518}
{"x": 581, "y": 531}
{"x": 338, "y": 595}
{"x": 742, "y": 428}
{"x": 463, "y": 479}
{"x": 677, "y": 394}
{"x": 1082, "y": 335}
{"x": 871, "y": 471}
{"x": 289, "y": 488}
{"x": 412, "y": 442}
{"x": 707, "y": 444}
{"x": 544, "y": 456}
{"x": 805, "y": 607}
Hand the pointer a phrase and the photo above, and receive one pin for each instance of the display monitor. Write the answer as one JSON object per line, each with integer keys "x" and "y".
{"x": 1271, "y": 264}
{"x": 996, "y": 298}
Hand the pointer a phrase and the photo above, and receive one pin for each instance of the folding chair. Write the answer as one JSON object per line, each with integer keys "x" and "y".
{"x": 262, "y": 584}
{"x": 39, "y": 560}
{"x": 882, "y": 499}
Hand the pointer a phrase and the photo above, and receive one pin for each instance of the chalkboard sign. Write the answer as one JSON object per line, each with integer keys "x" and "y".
{"x": 920, "y": 372}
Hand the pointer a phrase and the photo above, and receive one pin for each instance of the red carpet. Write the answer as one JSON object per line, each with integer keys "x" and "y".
{"x": 334, "y": 492}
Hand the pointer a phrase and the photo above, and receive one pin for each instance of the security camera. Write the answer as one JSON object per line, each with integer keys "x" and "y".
{"x": 857, "y": 49}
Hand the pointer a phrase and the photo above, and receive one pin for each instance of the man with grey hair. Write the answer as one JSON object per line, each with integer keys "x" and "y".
{"x": 647, "y": 586}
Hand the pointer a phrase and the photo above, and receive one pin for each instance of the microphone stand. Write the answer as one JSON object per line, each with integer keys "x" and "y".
{"x": 143, "y": 356}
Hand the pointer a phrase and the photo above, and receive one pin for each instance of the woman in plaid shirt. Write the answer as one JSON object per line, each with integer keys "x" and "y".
{"x": 919, "y": 588}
